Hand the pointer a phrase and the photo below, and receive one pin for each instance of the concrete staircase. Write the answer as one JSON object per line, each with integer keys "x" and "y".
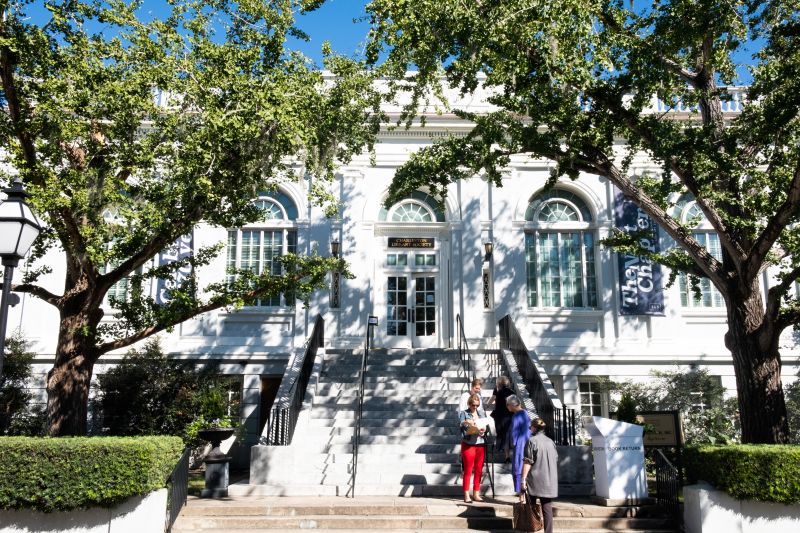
{"x": 409, "y": 443}
{"x": 410, "y": 440}
{"x": 378, "y": 513}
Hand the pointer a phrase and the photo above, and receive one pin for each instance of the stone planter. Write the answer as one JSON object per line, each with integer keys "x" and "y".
{"x": 216, "y": 461}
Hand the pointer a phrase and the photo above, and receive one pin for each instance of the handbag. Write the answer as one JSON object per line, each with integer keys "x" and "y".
{"x": 527, "y": 515}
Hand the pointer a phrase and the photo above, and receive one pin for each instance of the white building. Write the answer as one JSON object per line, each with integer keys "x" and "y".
{"x": 418, "y": 266}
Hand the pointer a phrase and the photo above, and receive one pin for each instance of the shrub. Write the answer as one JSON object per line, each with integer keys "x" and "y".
{"x": 18, "y": 416}
{"x": 151, "y": 394}
{"x": 792, "y": 395}
{"x": 64, "y": 474}
{"x": 760, "y": 472}
{"x": 708, "y": 418}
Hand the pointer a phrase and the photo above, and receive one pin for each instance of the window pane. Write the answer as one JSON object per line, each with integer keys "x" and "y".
{"x": 560, "y": 269}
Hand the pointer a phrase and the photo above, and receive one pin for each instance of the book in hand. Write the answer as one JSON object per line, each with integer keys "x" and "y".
{"x": 480, "y": 424}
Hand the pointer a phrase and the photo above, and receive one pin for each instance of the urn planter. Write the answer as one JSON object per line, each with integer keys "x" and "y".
{"x": 216, "y": 463}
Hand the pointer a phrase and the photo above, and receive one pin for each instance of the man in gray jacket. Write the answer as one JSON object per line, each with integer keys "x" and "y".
{"x": 540, "y": 471}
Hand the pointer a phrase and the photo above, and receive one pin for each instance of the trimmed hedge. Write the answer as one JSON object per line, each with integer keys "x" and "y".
{"x": 768, "y": 473}
{"x": 63, "y": 474}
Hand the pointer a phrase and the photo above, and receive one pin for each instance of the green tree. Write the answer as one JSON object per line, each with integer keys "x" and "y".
{"x": 574, "y": 82}
{"x": 129, "y": 130}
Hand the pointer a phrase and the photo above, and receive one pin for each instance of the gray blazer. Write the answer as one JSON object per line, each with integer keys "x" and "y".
{"x": 542, "y": 455}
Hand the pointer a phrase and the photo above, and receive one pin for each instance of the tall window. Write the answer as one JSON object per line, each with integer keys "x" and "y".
{"x": 691, "y": 214}
{"x": 258, "y": 247}
{"x": 560, "y": 252}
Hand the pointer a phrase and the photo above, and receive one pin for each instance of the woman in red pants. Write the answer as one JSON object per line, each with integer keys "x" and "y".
{"x": 473, "y": 448}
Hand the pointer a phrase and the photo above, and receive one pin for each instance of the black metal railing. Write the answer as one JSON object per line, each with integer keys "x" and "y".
{"x": 463, "y": 352}
{"x": 667, "y": 485}
{"x": 362, "y": 374}
{"x": 178, "y": 488}
{"x": 560, "y": 421}
{"x": 283, "y": 417}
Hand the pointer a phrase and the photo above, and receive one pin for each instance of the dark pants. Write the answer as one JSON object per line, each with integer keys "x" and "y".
{"x": 547, "y": 512}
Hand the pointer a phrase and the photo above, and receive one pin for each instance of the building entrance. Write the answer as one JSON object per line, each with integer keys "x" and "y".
{"x": 410, "y": 300}
{"x": 411, "y": 310}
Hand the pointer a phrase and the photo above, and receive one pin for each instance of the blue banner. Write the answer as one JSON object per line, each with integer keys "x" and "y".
{"x": 180, "y": 249}
{"x": 640, "y": 280}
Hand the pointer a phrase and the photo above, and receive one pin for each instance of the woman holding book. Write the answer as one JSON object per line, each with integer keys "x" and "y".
{"x": 473, "y": 448}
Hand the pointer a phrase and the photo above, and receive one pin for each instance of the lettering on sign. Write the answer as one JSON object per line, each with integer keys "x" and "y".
{"x": 411, "y": 242}
{"x": 663, "y": 428}
{"x": 618, "y": 448}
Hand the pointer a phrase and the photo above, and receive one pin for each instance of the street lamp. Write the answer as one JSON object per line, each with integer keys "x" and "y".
{"x": 19, "y": 227}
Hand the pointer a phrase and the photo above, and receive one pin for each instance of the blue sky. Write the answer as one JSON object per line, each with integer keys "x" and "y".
{"x": 336, "y": 22}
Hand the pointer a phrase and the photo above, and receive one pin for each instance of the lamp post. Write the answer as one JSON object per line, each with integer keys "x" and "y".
{"x": 19, "y": 227}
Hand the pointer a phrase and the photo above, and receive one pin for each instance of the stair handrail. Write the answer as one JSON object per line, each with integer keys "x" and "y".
{"x": 560, "y": 420}
{"x": 283, "y": 417}
{"x": 463, "y": 352}
{"x": 362, "y": 373}
{"x": 667, "y": 485}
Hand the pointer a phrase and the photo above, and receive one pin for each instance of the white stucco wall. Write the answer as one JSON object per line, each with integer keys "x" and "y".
{"x": 140, "y": 514}
{"x": 707, "y": 510}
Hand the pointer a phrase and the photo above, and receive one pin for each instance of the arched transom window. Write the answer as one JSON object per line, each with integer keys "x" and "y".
{"x": 418, "y": 208}
{"x": 688, "y": 212}
{"x": 411, "y": 211}
{"x": 560, "y": 251}
{"x": 259, "y": 246}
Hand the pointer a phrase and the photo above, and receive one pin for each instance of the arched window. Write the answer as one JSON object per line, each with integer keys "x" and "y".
{"x": 259, "y": 246}
{"x": 560, "y": 251}
{"x": 688, "y": 212}
{"x": 419, "y": 207}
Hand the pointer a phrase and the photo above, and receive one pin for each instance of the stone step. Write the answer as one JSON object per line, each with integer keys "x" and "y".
{"x": 384, "y": 422}
{"x": 399, "y": 373}
{"x": 423, "y": 447}
{"x": 369, "y": 431}
{"x": 333, "y": 387}
{"x": 400, "y": 439}
{"x": 399, "y": 402}
{"x": 375, "y": 513}
{"x": 409, "y": 413}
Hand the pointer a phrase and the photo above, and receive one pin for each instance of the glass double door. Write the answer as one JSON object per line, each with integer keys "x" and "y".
{"x": 411, "y": 309}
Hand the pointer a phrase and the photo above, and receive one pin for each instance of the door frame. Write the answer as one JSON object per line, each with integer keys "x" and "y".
{"x": 440, "y": 271}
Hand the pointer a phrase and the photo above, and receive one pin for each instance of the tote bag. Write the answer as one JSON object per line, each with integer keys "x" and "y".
{"x": 527, "y": 515}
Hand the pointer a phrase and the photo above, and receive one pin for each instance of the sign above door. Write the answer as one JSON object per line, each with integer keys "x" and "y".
{"x": 411, "y": 242}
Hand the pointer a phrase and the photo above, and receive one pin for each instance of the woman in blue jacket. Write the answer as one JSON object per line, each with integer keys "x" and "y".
{"x": 518, "y": 434}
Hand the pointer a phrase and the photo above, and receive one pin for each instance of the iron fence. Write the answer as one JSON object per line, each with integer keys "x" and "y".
{"x": 560, "y": 422}
{"x": 178, "y": 488}
{"x": 667, "y": 485}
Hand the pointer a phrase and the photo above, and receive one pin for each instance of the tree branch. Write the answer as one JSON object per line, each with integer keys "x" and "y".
{"x": 672, "y": 65}
{"x": 37, "y": 291}
{"x": 776, "y": 293}
{"x": 709, "y": 265}
{"x": 774, "y": 227}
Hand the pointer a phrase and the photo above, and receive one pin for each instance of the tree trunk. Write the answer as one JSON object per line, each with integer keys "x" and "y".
{"x": 757, "y": 362}
{"x": 69, "y": 379}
